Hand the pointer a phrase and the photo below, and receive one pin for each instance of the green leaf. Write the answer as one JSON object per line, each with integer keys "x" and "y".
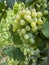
{"x": 5, "y": 63}
{"x": 2, "y": 6}
{"x": 18, "y": 55}
{"x": 10, "y": 3}
{"x": 1, "y": 0}
{"x": 8, "y": 51}
{"x": 45, "y": 29}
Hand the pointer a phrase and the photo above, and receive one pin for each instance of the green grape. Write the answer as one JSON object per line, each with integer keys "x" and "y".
{"x": 33, "y": 24}
{"x": 18, "y": 18}
{"x": 30, "y": 35}
{"x": 34, "y": 14}
{"x": 28, "y": 12}
{"x": 45, "y": 12}
{"x": 33, "y": 10}
{"x": 28, "y": 18}
{"x": 39, "y": 14}
{"x": 45, "y": 5}
{"x": 22, "y": 22}
{"x": 15, "y": 27}
{"x": 40, "y": 22}
{"x": 34, "y": 29}
{"x": 31, "y": 41}
{"x": 18, "y": 30}
{"x": 23, "y": 31}
{"x": 35, "y": 19}
{"x": 15, "y": 23}
{"x": 22, "y": 13}
{"x": 26, "y": 36}
{"x": 27, "y": 28}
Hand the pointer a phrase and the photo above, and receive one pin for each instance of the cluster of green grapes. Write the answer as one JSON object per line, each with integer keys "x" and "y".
{"x": 28, "y": 22}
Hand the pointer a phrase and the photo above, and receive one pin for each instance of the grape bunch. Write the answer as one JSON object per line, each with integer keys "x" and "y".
{"x": 28, "y": 22}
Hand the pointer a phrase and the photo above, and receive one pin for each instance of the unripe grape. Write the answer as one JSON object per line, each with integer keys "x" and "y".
{"x": 15, "y": 23}
{"x": 31, "y": 41}
{"x": 22, "y": 13}
{"x": 33, "y": 10}
{"x": 26, "y": 37}
{"x": 22, "y": 22}
{"x": 18, "y": 31}
{"x": 18, "y": 17}
{"x": 23, "y": 31}
{"x": 30, "y": 35}
{"x": 40, "y": 22}
{"x": 27, "y": 28}
{"x": 34, "y": 29}
{"x": 34, "y": 14}
{"x": 39, "y": 14}
{"x": 28, "y": 18}
{"x": 28, "y": 12}
{"x": 45, "y": 5}
{"x": 35, "y": 19}
{"x": 33, "y": 24}
{"x": 45, "y": 12}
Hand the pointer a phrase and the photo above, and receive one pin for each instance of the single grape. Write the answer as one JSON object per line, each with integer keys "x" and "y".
{"x": 22, "y": 22}
{"x": 45, "y": 12}
{"x": 22, "y": 13}
{"x": 23, "y": 31}
{"x": 34, "y": 14}
{"x": 15, "y": 23}
{"x": 33, "y": 24}
{"x": 30, "y": 34}
{"x": 31, "y": 41}
{"x": 28, "y": 12}
{"x": 40, "y": 22}
{"x": 34, "y": 29}
{"x": 35, "y": 19}
{"x": 28, "y": 18}
{"x": 26, "y": 36}
{"x": 39, "y": 14}
{"x": 33, "y": 10}
{"x": 18, "y": 17}
{"x": 27, "y": 28}
{"x": 45, "y": 5}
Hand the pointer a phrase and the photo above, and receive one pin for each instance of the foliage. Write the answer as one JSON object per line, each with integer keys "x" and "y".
{"x": 24, "y": 32}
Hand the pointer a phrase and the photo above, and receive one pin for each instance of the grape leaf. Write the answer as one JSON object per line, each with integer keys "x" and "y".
{"x": 5, "y": 63}
{"x": 8, "y": 51}
{"x": 45, "y": 29}
{"x": 18, "y": 54}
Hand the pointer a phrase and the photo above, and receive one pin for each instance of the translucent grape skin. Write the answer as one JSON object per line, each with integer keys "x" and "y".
{"x": 33, "y": 24}
{"x": 27, "y": 28}
{"x": 45, "y": 12}
{"x": 39, "y": 14}
{"x": 34, "y": 14}
{"x": 23, "y": 31}
{"x": 31, "y": 41}
{"x": 22, "y": 22}
{"x": 40, "y": 22}
{"x": 26, "y": 37}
